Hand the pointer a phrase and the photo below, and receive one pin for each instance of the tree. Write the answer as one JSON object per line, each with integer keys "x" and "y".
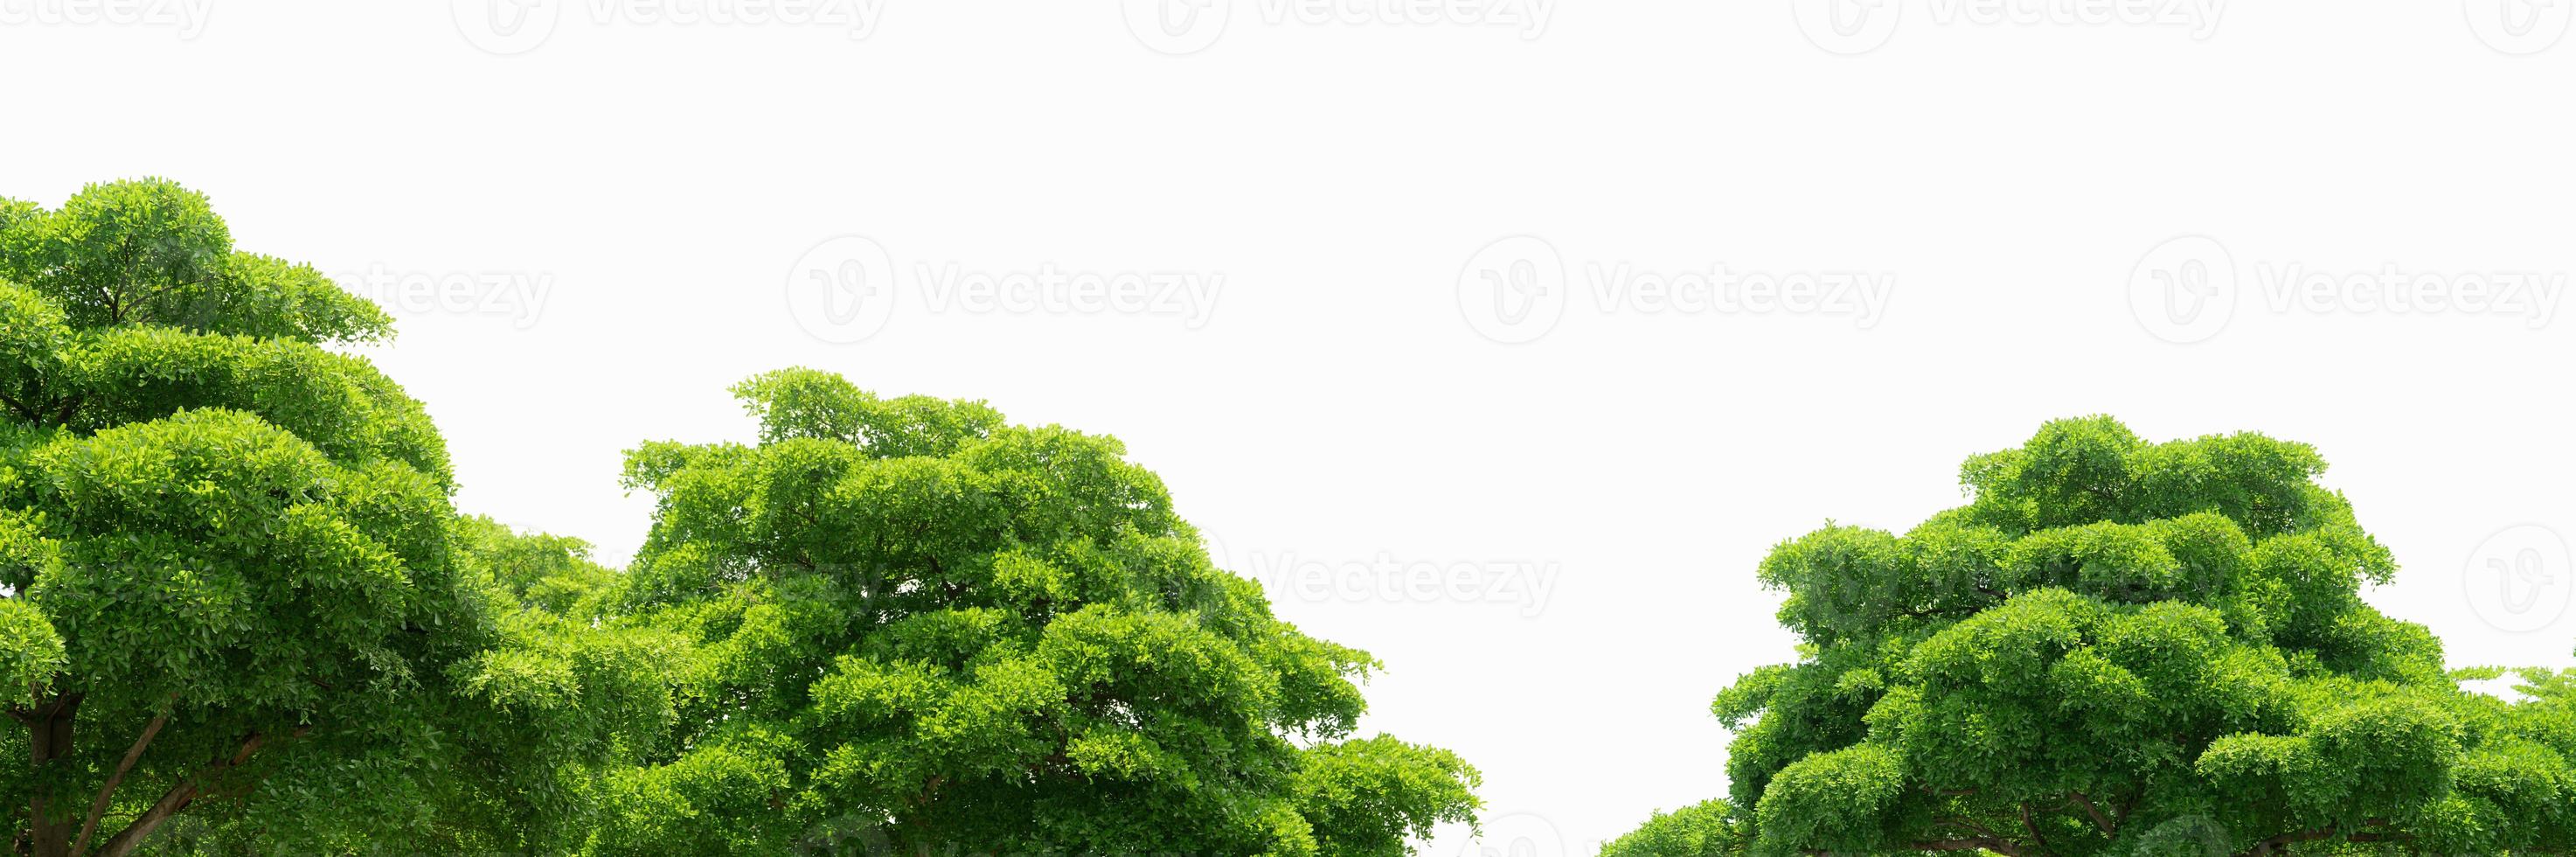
{"x": 917, "y": 629}
{"x": 1705, "y": 829}
{"x": 509, "y": 759}
{"x": 2126, "y": 647}
{"x": 236, "y": 593}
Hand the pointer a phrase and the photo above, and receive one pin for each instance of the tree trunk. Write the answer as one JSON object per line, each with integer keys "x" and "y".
{"x": 49, "y": 740}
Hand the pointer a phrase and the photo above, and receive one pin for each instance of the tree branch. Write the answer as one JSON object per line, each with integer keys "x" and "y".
{"x": 1969, "y": 825}
{"x": 172, "y": 801}
{"x": 98, "y": 808}
{"x": 2108, "y": 828}
{"x": 1994, "y": 845}
{"x": 1999, "y": 846}
{"x": 2274, "y": 844}
{"x": 24, "y": 412}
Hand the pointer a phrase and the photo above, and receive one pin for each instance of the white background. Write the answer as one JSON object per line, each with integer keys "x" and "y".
{"x": 666, "y": 180}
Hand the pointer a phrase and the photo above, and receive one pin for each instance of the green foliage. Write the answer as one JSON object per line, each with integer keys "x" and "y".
{"x": 240, "y": 613}
{"x": 1707, "y": 829}
{"x": 1373, "y": 796}
{"x": 913, "y": 626}
{"x": 31, "y": 654}
{"x": 152, "y": 252}
{"x": 2125, "y": 647}
{"x": 508, "y": 759}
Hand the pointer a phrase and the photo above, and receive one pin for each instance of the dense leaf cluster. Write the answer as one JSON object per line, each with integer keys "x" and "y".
{"x": 915, "y": 626}
{"x": 2121, "y": 647}
{"x": 238, "y": 613}
{"x": 228, "y": 552}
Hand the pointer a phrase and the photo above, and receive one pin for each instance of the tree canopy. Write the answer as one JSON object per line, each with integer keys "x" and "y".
{"x": 240, "y": 613}
{"x": 2122, "y": 647}
{"x": 1705, "y": 829}
{"x": 914, "y": 626}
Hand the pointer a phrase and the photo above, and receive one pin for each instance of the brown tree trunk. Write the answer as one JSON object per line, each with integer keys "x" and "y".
{"x": 49, "y": 740}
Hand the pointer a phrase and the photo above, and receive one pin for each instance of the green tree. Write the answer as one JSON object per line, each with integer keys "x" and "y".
{"x": 2127, "y": 647}
{"x": 509, "y": 759}
{"x": 1706, "y": 829}
{"x": 237, "y": 595}
{"x": 917, "y": 629}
